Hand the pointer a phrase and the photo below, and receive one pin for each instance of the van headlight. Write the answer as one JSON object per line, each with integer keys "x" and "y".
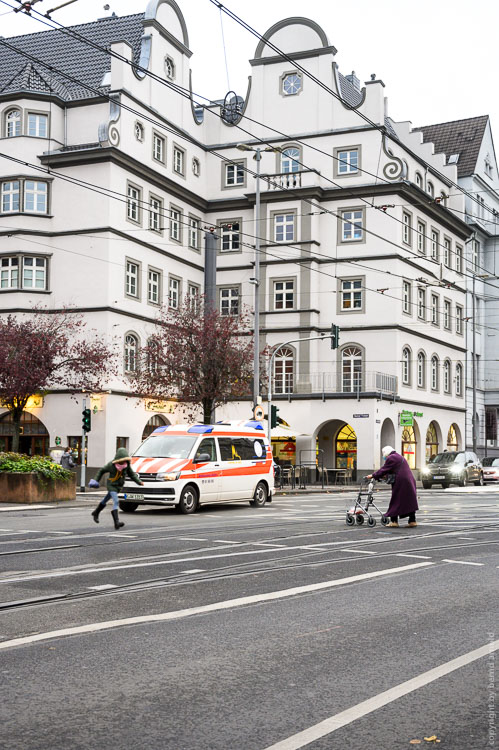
{"x": 161, "y": 476}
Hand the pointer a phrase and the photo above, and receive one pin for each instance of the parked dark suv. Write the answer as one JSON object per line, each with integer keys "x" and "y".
{"x": 453, "y": 467}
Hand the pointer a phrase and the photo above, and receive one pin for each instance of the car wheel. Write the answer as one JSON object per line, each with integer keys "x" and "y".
{"x": 426, "y": 485}
{"x": 445, "y": 485}
{"x": 188, "y": 500}
{"x": 479, "y": 482}
{"x": 461, "y": 482}
{"x": 128, "y": 507}
{"x": 260, "y": 496}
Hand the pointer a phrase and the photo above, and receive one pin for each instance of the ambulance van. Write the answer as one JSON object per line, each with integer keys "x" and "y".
{"x": 186, "y": 465}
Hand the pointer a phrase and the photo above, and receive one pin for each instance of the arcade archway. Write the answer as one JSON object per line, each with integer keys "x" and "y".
{"x": 157, "y": 421}
{"x": 34, "y": 437}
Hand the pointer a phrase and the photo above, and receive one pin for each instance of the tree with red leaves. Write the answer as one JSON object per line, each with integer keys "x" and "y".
{"x": 44, "y": 350}
{"x": 197, "y": 356}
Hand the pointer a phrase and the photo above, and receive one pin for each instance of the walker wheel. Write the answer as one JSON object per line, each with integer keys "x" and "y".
{"x": 350, "y": 519}
{"x": 384, "y": 521}
{"x": 371, "y": 521}
{"x": 360, "y": 519}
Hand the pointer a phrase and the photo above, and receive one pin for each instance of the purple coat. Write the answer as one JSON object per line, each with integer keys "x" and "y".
{"x": 404, "y": 498}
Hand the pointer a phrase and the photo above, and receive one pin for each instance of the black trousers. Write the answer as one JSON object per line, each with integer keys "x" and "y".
{"x": 411, "y": 517}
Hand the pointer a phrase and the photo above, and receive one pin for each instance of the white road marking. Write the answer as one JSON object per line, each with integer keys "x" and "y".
{"x": 193, "y": 570}
{"x": 421, "y": 557}
{"x": 102, "y": 587}
{"x": 360, "y": 551}
{"x": 462, "y": 562}
{"x": 337, "y": 721}
{"x": 125, "y": 536}
{"x": 215, "y": 607}
{"x": 189, "y": 539}
{"x": 27, "y": 507}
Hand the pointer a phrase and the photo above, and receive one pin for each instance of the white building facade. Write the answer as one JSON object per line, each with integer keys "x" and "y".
{"x": 358, "y": 224}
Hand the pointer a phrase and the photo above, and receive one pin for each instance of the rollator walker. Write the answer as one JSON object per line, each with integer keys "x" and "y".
{"x": 360, "y": 510}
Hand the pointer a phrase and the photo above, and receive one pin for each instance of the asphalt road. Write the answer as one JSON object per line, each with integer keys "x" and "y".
{"x": 250, "y": 629}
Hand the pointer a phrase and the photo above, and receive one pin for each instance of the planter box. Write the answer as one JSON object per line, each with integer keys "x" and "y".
{"x": 29, "y": 488}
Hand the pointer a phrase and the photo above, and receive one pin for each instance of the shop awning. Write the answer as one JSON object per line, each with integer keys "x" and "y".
{"x": 286, "y": 432}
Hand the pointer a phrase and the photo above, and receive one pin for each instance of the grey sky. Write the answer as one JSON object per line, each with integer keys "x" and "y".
{"x": 438, "y": 58}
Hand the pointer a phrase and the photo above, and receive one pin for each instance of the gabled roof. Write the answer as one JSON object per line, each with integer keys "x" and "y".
{"x": 463, "y": 137}
{"x": 68, "y": 54}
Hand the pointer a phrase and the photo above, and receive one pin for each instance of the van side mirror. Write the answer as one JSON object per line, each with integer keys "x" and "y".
{"x": 201, "y": 458}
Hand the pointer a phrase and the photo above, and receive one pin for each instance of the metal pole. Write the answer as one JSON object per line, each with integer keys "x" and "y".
{"x": 256, "y": 362}
{"x": 210, "y": 270}
{"x": 83, "y": 452}
{"x": 473, "y": 417}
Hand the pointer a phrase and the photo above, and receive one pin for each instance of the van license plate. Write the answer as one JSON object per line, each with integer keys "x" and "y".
{"x": 433, "y": 478}
{"x": 134, "y": 497}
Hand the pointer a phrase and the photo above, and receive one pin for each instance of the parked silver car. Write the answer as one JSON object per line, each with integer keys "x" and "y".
{"x": 453, "y": 467}
{"x": 490, "y": 469}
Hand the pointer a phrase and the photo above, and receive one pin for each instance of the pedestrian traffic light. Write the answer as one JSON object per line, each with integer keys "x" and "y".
{"x": 86, "y": 420}
{"x": 273, "y": 416}
{"x": 335, "y": 336}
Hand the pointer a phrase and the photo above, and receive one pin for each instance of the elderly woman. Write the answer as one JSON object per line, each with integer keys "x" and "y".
{"x": 404, "y": 501}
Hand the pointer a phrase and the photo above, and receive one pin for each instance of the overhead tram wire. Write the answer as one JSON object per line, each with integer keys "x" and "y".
{"x": 186, "y": 93}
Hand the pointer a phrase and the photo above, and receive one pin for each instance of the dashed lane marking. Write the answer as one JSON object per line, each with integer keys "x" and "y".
{"x": 102, "y": 587}
{"x": 462, "y": 562}
{"x": 421, "y": 557}
{"x": 360, "y": 551}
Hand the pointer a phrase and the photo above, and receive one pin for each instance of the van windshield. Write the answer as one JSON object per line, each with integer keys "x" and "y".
{"x": 166, "y": 446}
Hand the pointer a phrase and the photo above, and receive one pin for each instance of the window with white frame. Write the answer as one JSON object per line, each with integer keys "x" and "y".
{"x": 178, "y": 160}
{"x": 229, "y": 300}
{"x": 155, "y": 214}
{"x": 351, "y": 225}
{"x": 406, "y": 366}
{"x": 447, "y": 252}
{"x": 446, "y": 376}
{"x": 24, "y": 195}
{"x": 419, "y": 179}
{"x": 348, "y": 161}
{"x": 34, "y": 273}
{"x": 193, "y": 296}
{"x": 23, "y": 272}
{"x": 131, "y": 352}
{"x": 193, "y": 231}
{"x": 459, "y": 380}
{"x": 284, "y": 371}
{"x": 421, "y": 369}
{"x": 459, "y": 258}
{"x": 406, "y": 297}
{"x": 406, "y": 228}
{"x": 37, "y": 125}
{"x": 12, "y": 123}
{"x": 459, "y": 319}
{"x": 475, "y": 255}
{"x": 134, "y": 196}
{"x": 421, "y": 238}
{"x": 174, "y": 293}
{"x": 430, "y": 189}
{"x": 447, "y": 314}
{"x": 284, "y": 227}
{"x": 434, "y": 310}
{"x": 434, "y": 245}
{"x": 351, "y": 294}
{"x": 434, "y": 373}
{"x": 234, "y": 174}
{"x": 35, "y": 197}
{"x": 291, "y": 84}
{"x": 351, "y": 369}
{"x": 153, "y": 286}
{"x": 421, "y": 303}
{"x": 158, "y": 147}
{"x": 132, "y": 279}
{"x": 284, "y": 294}
{"x": 290, "y": 159}
{"x": 230, "y": 237}
{"x": 9, "y": 272}
{"x": 175, "y": 224}
{"x": 11, "y": 196}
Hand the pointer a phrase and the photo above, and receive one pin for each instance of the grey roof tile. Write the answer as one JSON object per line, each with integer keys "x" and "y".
{"x": 348, "y": 92}
{"x": 463, "y": 137}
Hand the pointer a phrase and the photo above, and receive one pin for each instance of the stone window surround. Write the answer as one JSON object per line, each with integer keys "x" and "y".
{"x": 137, "y": 339}
{"x": 177, "y": 147}
{"x": 20, "y": 288}
{"x": 407, "y": 225}
{"x": 279, "y": 155}
{"x": 281, "y": 82}
{"x": 434, "y": 230}
{"x": 224, "y": 166}
{"x": 155, "y": 134}
{"x": 449, "y": 240}
{"x": 459, "y": 264}
{"x": 282, "y": 379}
{"x": 219, "y": 295}
{"x": 198, "y": 233}
{"x": 173, "y": 207}
{"x": 421, "y": 386}
{"x": 174, "y": 277}
{"x": 409, "y": 311}
{"x": 134, "y": 185}
{"x": 436, "y": 322}
{"x": 219, "y": 224}
{"x": 282, "y": 212}
{"x": 449, "y": 302}
{"x": 407, "y": 383}
{"x": 339, "y": 363}
{"x": 435, "y": 357}
{"x": 137, "y": 297}
{"x": 460, "y": 319}
{"x": 421, "y": 289}
{"x": 339, "y": 297}
{"x": 336, "y": 150}
{"x": 11, "y": 108}
{"x": 22, "y": 179}
{"x": 153, "y": 269}
{"x": 340, "y": 222}
{"x": 421, "y": 237}
{"x": 447, "y": 362}
{"x": 161, "y": 214}
{"x": 459, "y": 368}
{"x": 27, "y": 112}
{"x": 272, "y": 283}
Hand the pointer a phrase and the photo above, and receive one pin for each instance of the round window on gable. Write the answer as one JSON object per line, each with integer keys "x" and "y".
{"x": 170, "y": 68}
{"x": 291, "y": 84}
{"x": 139, "y": 131}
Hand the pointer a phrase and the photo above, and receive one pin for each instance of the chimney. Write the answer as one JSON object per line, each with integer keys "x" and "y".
{"x": 354, "y": 80}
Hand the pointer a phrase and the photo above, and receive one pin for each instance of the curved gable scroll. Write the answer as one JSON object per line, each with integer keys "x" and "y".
{"x": 308, "y": 35}
{"x": 168, "y": 14}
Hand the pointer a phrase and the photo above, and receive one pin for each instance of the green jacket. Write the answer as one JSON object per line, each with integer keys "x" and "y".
{"x": 117, "y": 478}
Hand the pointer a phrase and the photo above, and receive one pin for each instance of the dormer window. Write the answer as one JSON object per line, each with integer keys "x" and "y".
{"x": 170, "y": 68}
{"x": 291, "y": 84}
{"x": 13, "y": 123}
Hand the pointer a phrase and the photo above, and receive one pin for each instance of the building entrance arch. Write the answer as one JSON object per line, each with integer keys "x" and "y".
{"x": 338, "y": 441}
{"x": 158, "y": 420}
{"x": 34, "y": 437}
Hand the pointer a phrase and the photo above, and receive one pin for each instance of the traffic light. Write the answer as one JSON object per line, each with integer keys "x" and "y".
{"x": 273, "y": 416}
{"x": 86, "y": 420}
{"x": 335, "y": 336}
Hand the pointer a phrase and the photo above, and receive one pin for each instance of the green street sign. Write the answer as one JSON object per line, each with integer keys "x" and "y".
{"x": 58, "y": 440}
{"x": 406, "y": 419}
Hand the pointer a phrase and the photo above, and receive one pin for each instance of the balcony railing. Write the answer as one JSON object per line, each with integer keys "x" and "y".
{"x": 291, "y": 180}
{"x": 330, "y": 382}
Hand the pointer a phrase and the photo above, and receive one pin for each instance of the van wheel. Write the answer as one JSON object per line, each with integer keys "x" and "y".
{"x": 188, "y": 500}
{"x": 260, "y": 496}
{"x": 128, "y": 507}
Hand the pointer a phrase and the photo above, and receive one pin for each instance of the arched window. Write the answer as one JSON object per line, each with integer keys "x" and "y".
{"x": 290, "y": 159}
{"x": 431, "y": 441}
{"x": 409, "y": 446}
{"x": 434, "y": 373}
{"x": 419, "y": 179}
{"x": 421, "y": 370}
{"x": 452, "y": 438}
{"x": 430, "y": 189}
{"x": 459, "y": 380}
{"x": 156, "y": 421}
{"x": 351, "y": 369}
{"x": 406, "y": 366}
{"x": 284, "y": 371}
{"x": 13, "y": 123}
{"x": 131, "y": 352}
{"x": 152, "y": 355}
{"x": 446, "y": 376}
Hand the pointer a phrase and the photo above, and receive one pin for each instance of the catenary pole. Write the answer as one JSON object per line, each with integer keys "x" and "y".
{"x": 256, "y": 281}
{"x": 83, "y": 451}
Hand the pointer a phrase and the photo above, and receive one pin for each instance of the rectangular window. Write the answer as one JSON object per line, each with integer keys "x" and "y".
{"x": 155, "y": 214}
{"x": 284, "y": 227}
{"x": 229, "y": 301}
{"x": 34, "y": 273}
{"x": 193, "y": 233}
{"x": 178, "y": 160}
{"x": 421, "y": 303}
{"x": 407, "y": 228}
{"x": 447, "y": 314}
{"x": 10, "y": 196}
{"x": 434, "y": 245}
{"x": 153, "y": 286}
{"x": 406, "y": 297}
{"x": 175, "y": 222}
{"x": 9, "y": 273}
{"x": 348, "y": 161}
{"x": 158, "y": 148}
{"x": 475, "y": 255}
{"x": 234, "y": 174}
{"x": 459, "y": 319}
{"x": 434, "y": 309}
{"x": 132, "y": 279}
{"x": 229, "y": 237}
{"x": 35, "y": 196}
{"x": 284, "y": 295}
{"x": 421, "y": 238}
{"x": 37, "y": 125}
{"x": 193, "y": 294}
{"x": 459, "y": 258}
{"x": 351, "y": 294}
{"x": 133, "y": 203}
{"x": 174, "y": 293}
{"x": 351, "y": 222}
{"x": 447, "y": 252}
